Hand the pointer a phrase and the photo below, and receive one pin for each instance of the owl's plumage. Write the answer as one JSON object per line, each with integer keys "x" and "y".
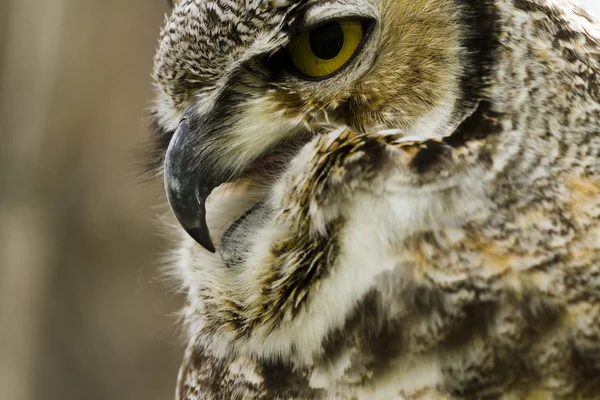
{"x": 423, "y": 223}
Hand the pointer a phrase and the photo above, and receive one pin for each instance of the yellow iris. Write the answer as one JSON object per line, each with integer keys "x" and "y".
{"x": 326, "y": 48}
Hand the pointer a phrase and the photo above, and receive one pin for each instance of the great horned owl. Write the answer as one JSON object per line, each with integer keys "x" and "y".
{"x": 384, "y": 199}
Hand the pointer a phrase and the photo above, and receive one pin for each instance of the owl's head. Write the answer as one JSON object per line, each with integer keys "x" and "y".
{"x": 240, "y": 81}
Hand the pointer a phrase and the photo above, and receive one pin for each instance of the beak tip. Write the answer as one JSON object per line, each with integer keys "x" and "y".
{"x": 202, "y": 236}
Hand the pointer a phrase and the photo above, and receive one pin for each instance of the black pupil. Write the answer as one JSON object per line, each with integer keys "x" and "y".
{"x": 326, "y": 41}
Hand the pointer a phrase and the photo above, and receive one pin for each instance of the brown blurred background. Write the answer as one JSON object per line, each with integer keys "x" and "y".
{"x": 84, "y": 312}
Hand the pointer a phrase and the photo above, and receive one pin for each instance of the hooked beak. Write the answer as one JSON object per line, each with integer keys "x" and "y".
{"x": 186, "y": 191}
{"x": 210, "y": 149}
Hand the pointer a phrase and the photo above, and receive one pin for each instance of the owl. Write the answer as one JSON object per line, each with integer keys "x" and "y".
{"x": 383, "y": 199}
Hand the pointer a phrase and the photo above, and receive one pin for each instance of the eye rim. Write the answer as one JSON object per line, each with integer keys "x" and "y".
{"x": 368, "y": 26}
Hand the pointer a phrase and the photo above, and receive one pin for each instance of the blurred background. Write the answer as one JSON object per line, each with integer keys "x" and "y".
{"x": 84, "y": 310}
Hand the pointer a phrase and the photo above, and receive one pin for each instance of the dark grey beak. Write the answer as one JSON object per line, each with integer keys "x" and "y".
{"x": 187, "y": 189}
{"x": 203, "y": 154}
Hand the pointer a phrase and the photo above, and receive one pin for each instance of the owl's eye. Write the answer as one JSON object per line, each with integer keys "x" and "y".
{"x": 326, "y": 48}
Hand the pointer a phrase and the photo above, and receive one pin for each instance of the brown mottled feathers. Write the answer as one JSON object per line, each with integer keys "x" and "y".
{"x": 436, "y": 235}
{"x": 508, "y": 305}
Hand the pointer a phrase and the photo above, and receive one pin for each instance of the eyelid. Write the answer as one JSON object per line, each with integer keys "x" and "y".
{"x": 325, "y": 11}
{"x": 304, "y": 29}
